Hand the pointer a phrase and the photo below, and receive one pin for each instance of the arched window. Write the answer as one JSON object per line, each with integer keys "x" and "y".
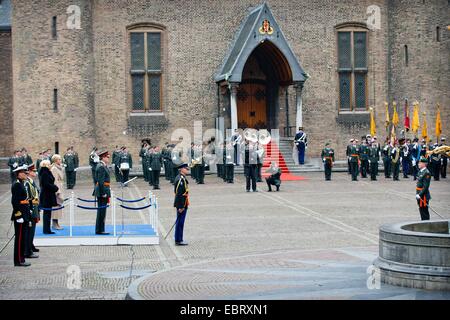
{"x": 146, "y": 67}
{"x": 352, "y": 47}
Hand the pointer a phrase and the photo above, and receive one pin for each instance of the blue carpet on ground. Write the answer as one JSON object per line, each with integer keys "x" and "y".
{"x": 87, "y": 231}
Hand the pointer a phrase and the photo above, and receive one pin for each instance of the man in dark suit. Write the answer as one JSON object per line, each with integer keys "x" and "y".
{"x": 181, "y": 202}
{"x": 102, "y": 191}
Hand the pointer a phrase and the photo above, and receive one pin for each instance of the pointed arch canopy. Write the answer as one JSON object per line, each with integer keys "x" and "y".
{"x": 261, "y": 35}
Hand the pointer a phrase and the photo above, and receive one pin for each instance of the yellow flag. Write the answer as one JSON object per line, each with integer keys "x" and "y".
{"x": 415, "y": 120}
{"x": 373, "y": 128}
{"x": 395, "y": 119}
{"x": 386, "y": 124}
{"x": 425, "y": 128}
{"x": 438, "y": 123}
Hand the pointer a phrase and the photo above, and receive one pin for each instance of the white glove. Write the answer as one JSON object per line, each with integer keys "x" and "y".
{"x": 323, "y": 159}
{"x": 349, "y": 158}
{"x": 150, "y": 169}
{"x": 15, "y": 165}
{"x": 75, "y": 169}
{"x": 417, "y": 197}
{"x": 414, "y": 163}
{"x": 20, "y": 220}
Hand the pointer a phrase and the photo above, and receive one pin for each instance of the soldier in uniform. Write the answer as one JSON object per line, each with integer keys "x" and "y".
{"x": 181, "y": 202}
{"x": 93, "y": 161}
{"x": 387, "y": 158}
{"x": 301, "y": 141}
{"x": 423, "y": 189}
{"x": 20, "y": 215}
{"x": 71, "y": 165}
{"x": 374, "y": 157}
{"x": 250, "y": 166}
{"x": 201, "y": 164}
{"x": 39, "y": 160}
{"x": 395, "y": 161}
{"x": 125, "y": 164}
{"x": 259, "y": 161}
{"x": 220, "y": 155}
{"x": 193, "y": 162}
{"x": 354, "y": 159}
{"x": 114, "y": 161}
{"x": 364, "y": 157}
{"x": 176, "y": 156}
{"x": 415, "y": 149}
{"x": 102, "y": 191}
{"x": 405, "y": 159}
{"x": 328, "y": 160}
{"x": 275, "y": 176}
{"x": 13, "y": 163}
{"x": 229, "y": 163}
{"x": 347, "y": 153}
{"x": 33, "y": 199}
{"x": 26, "y": 158}
{"x": 436, "y": 163}
{"x": 156, "y": 162}
{"x": 143, "y": 155}
{"x": 444, "y": 161}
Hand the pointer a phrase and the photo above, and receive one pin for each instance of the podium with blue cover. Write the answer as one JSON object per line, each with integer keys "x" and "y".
{"x": 119, "y": 234}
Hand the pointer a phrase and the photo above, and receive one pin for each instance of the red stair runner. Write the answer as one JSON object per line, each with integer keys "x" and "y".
{"x": 273, "y": 154}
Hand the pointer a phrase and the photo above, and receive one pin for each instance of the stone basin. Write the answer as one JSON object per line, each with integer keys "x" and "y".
{"x": 415, "y": 254}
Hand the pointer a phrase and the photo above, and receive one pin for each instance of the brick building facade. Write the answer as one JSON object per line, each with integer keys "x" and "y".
{"x": 140, "y": 69}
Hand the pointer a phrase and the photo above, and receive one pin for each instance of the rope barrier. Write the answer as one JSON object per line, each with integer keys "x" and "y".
{"x": 92, "y": 208}
{"x": 141, "y": 208}
{"x": 123, "y": 200}
{"x": 51, "y": 209}
{"x": 85, "y": 200}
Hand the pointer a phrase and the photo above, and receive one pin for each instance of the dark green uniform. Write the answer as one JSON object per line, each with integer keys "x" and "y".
{"x": 364, "y": 157}
{"x": 387, "y": 160}
{"x": 328, "y": 160}
{"x": 102, "y": 192}
{"x": 71, "y": 164}
{"x": 395, "y": 163}
{"x": 114, "y": 161}
{"x": 144, "y": 161}
{"x": 423, "y": 190}
{"x": 125, "y": 158}
{"x": 436, "y": 162}
{"x": 374, "y": 157}
{"x": 354, "y": 161}
{"x": 220, "y": 164}
{"x": 156, "y": 162}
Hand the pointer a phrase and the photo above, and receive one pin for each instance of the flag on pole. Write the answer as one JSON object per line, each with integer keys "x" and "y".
{"x": 406, "y": 115}
{"x": 388, "y": 121}
{"x": 395, "y": 119}
{"x": 425, "y": 128}
{"x": 373, "y": 128}
{"x": 415, "y": 119}
{"x": 438, "y": 123}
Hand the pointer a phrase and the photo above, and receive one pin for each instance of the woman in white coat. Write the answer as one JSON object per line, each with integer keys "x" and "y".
{"x": 58, "y": 172}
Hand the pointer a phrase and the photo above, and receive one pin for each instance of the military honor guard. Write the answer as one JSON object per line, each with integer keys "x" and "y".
{"x": 220, "y": 151}
{"x": 354, "y": 159}
{"x": 301, "y": 141}
{"x": 39, "y": 160}
{"x": 71, "y": 163}
{"x": 156, "y": 163}
{"x": 236, "y": 140}
{"x": 125, "y": 164}
{"x": 405, "y": 154}
{"x": 374, "y": 157}
{"x": 26, "y": 158}
{"x": 423, "y": 189}
{"x": 387, "y": 148}
{"x": 143, "y": 154}
{"x": 347, "y": 153}
{"x": 93, "y": 161}
{"x": 33, "y": 200}
{"x": 415, "y": 157}
{"x": 275, "y": 176}
{"x": 435, "y": 159}
{"x": 13, "y": 163}
{"x": 444, "y": 161}
{"x": 364, "y": 158}
{"x": 395, "y": 161}
{"x": 181, "y": 202}
{"x": 115, "y": 157}
{"x": 20, "y": 215}
{"x": 328, "y": 160}
{"x": 102, "y": 191}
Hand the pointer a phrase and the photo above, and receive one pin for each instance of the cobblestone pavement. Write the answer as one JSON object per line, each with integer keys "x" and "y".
{"x": 226, "y": 224}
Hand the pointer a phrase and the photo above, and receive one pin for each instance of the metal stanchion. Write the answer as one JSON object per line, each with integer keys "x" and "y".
{"x": 71, "y": 212}
{"x": 113, "y": 204}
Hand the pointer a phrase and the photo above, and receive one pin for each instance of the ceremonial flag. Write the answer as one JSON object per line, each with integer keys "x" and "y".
{"x": 415, "y": 119}
{"x": 406, "y": 115}
{"x": 373, "y": 128}
{"x": 438, "y": 123}
{"x": 395, "y": 120}
{"x": 386, "y": 124}
{"x": 424, "y": 128}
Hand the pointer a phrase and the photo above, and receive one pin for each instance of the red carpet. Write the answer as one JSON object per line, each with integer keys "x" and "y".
{"x": 274, "y": 154}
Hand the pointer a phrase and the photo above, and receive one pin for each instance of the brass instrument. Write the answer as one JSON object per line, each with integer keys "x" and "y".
{"x": 264, "y": 137}
{"x": 251, "y": 135}
{"x": 442, "y": 150}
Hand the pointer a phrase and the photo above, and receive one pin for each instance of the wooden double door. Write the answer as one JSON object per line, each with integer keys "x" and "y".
{"x": 252, "y": 105}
